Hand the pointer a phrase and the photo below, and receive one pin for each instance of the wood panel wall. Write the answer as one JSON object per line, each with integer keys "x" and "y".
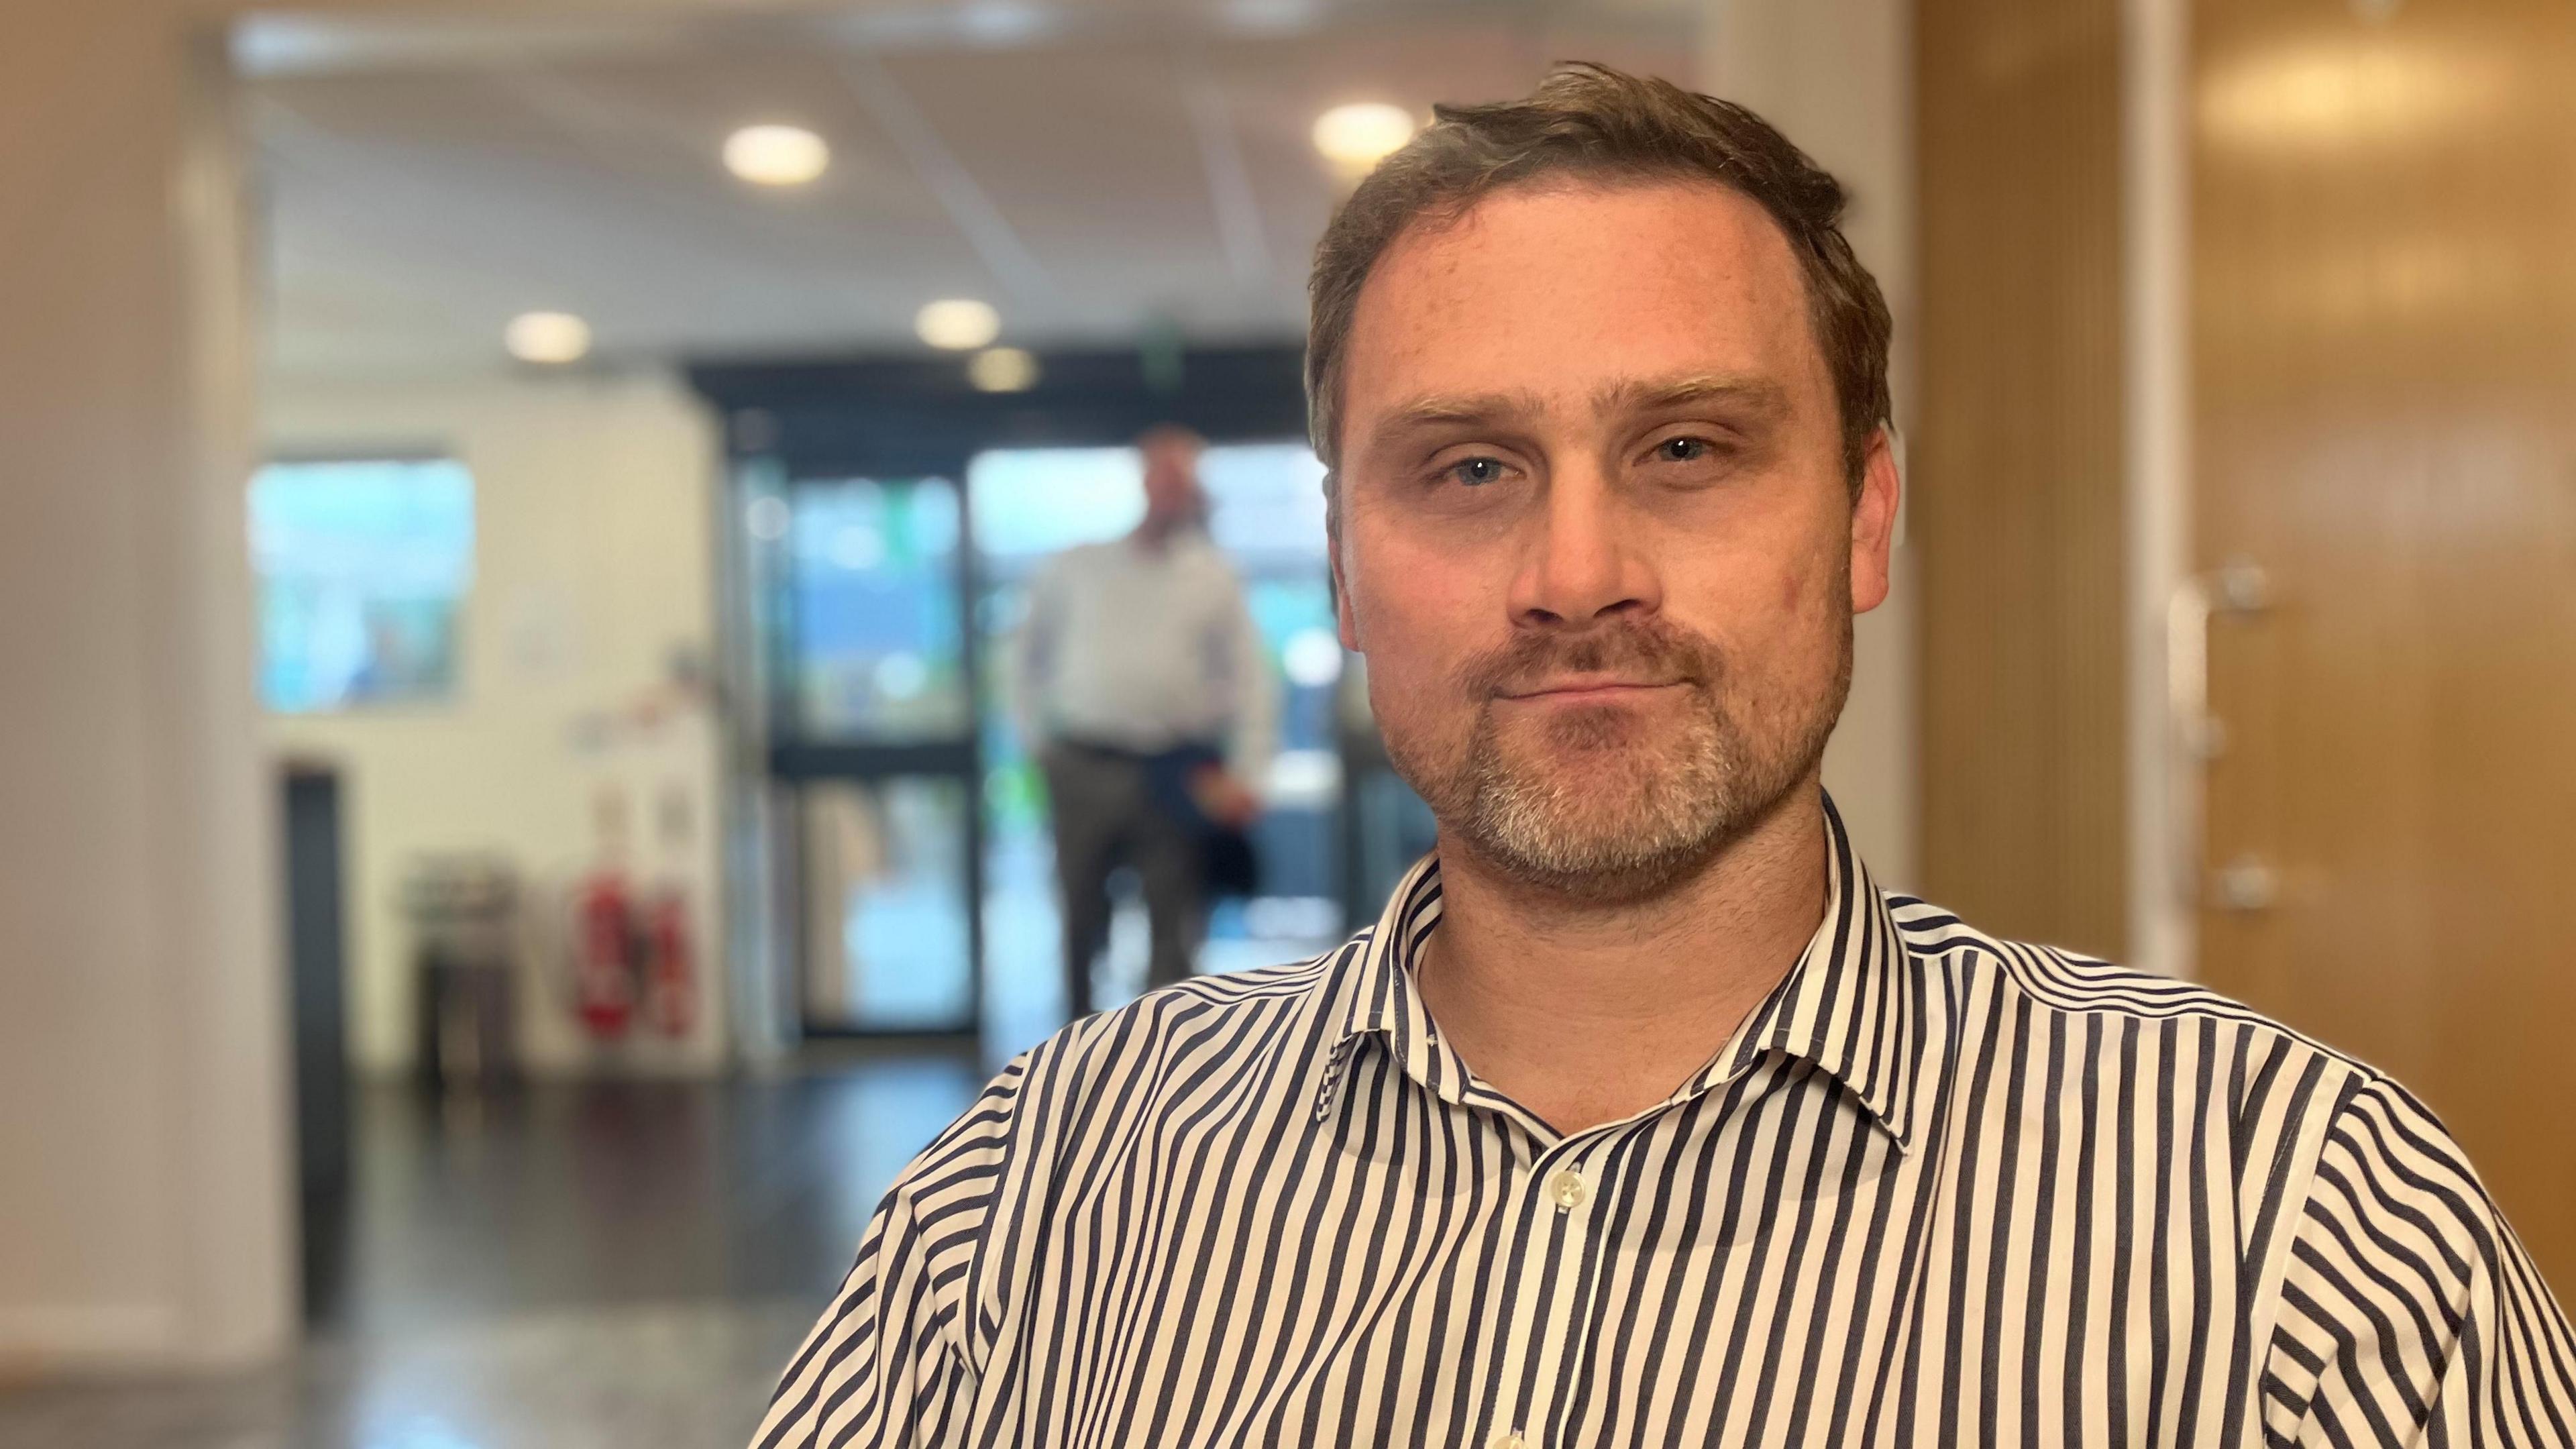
{"x": 2017, "y": 467}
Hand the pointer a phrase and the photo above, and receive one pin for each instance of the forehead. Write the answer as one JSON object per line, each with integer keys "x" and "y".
{"x": 1561, "y": 290}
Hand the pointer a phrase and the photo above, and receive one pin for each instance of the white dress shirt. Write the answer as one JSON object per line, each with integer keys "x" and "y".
{"x": 1143, "y": 647}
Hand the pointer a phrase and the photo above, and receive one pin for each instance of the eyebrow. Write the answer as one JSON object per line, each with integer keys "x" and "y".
{"x": 1457, "y": 409}
{"x": 1761, "y": 397}
{"x": 1757, "y": 395}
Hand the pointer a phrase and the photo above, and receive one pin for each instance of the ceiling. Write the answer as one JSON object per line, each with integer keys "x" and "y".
{"x": 1098, "y": 171}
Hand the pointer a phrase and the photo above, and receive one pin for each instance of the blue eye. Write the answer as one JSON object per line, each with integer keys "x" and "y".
{"x": 1476, "y": 471}
{"x": 1682, "y": 450}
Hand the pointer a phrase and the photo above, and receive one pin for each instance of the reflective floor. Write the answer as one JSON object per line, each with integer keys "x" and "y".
{"x": 659, "y": 1377}
{"x": 621, "y": 1265}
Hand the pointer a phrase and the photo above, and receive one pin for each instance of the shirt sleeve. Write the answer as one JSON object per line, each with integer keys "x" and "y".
{"x": 2410, "y": 1313}
{"x": 888, "y": 1364}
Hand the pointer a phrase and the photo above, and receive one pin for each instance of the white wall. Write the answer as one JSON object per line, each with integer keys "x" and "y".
{"x": 1836, "y": 76}
{"x": 144, "y": 1175}
{"x": 593, "y": 568}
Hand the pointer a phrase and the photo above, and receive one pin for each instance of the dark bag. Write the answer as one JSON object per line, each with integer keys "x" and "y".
{"x": 1228, "y": 865}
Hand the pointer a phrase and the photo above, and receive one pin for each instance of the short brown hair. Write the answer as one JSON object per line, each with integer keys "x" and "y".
{"x": 1180, "y": 434}
{"x": 1589, "y": 122}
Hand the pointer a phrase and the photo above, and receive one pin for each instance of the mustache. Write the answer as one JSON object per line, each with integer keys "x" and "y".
{"x": 1648, "y": 648}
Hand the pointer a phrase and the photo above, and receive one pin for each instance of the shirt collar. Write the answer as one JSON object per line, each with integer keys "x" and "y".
{"x": 1850, "y": 1005}
{"x": 1384, "y": 1001}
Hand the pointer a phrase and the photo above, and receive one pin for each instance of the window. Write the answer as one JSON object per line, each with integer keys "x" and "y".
{"x": 361, "y": 567}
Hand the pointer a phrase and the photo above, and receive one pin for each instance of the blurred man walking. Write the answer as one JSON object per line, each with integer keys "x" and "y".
{"x": 1143, "y": 692}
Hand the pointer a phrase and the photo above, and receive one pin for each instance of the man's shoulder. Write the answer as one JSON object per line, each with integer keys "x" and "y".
{"x": 1229, "y": 1015}
{"x": 1130, "y": 1061}
{"x": 1260, "y": 989}
{"x": 2053, "y": 980}
{"x": 1084, "y": 558}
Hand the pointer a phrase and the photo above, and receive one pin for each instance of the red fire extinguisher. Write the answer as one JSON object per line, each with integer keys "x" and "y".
{"x": 604, "y": 945}
{"x": 603, "y": 966}
{"x": 672, "y": 977}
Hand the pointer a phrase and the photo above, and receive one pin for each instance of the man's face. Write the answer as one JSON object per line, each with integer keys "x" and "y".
{"x": 1171, "y": 479}
{"x": 1596, "y": 536}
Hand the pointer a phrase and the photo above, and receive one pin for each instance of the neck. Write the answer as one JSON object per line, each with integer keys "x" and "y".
{"x": 1587, "y": 1013}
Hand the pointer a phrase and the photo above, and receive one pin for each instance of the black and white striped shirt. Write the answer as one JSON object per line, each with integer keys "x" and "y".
{"x": 1939, "y": 1189}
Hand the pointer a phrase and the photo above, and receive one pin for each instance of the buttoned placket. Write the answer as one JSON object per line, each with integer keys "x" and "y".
{"x": 1538, "y": 1324}
{"x": 1563, "y": 1199}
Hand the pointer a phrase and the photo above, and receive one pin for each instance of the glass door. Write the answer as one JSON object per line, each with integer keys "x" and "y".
{"x": 872, "y": 752}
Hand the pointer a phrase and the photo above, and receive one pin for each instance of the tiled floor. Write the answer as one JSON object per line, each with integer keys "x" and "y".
{"x": 609, "y": 1265}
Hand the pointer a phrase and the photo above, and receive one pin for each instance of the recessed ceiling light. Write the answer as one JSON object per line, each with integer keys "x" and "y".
{"x": 1360, "y": 135}
{"x": 1003, "y": 22}
{"x": 959, "y": 324}
{"x": 776, "y": 155}
{"x": 547, "y": 337}
{"x": 1271, "y": 17}
{"x": 1002, "y": 369}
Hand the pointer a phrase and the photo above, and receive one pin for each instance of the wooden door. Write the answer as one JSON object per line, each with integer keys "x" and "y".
{"x": 2383, "y": 263}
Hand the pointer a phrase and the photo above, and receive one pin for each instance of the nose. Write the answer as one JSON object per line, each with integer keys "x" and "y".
{"x": 1582, "y": 561}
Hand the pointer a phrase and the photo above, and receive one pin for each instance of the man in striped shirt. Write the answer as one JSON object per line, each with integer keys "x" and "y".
{"x": 1641, "y": 1116}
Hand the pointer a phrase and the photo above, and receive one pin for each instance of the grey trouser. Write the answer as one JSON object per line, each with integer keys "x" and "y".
{"x": 1105, "y": 816}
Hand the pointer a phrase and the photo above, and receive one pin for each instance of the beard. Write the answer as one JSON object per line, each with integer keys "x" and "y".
{"x": 1609, "y": 803}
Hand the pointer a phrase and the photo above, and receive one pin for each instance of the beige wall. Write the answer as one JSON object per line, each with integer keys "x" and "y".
{"x": 144, "y": 1172}
{"x": 593, "y": 570}
{"x": 1836, "y": 76}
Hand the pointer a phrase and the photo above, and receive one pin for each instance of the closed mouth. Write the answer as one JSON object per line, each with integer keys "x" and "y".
{"x": 1584, "y": 689}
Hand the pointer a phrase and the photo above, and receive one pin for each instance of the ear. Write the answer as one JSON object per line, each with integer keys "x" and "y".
{"x": 1873, "y": 532}
{"x": 1345, "y": 620}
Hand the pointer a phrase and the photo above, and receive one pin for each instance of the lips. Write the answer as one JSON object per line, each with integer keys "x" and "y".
{"x": 1590, "y": 688}
{"x": 1628, "y": 661}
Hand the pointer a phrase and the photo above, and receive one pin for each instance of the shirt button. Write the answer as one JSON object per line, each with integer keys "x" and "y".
{"x": 1510, "y": 1439}
{"x": 1567, "y": 1189}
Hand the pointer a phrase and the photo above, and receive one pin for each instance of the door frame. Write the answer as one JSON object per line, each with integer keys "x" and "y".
{"x": 795, "y": 761}
{"x": 2164, "y": 777}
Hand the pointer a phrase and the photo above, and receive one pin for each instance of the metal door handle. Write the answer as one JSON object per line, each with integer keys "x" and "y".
{"x": 2239, "y": 587}
{"x": 2246, "y": 883}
